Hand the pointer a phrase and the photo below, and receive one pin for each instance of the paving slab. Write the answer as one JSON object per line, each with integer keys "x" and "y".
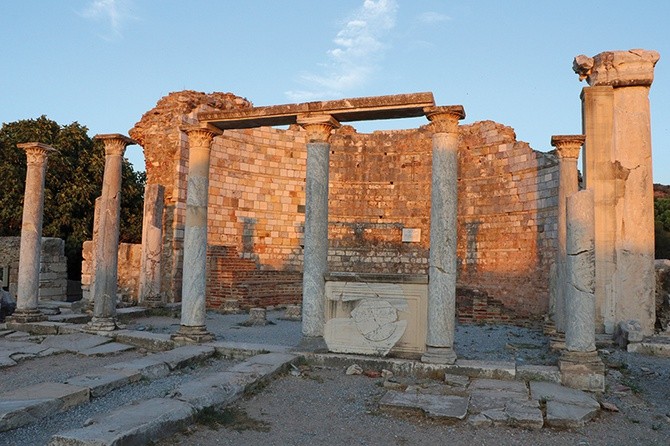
{"x": 4, "y": 333}
{"x": 548, "y": 373}
{"x": 6, "y": 360}
{"x": 438, "y": 406}
{"x": 75, "y": 342}
{"x": 37, "y": 328}
{"x": 456, "y": 380}
{"x": 545, "y": 391}
{"x": 264, "y": 365}
{"x": 136, "y": 424}
{"x": 245, "y": 349}
{"x": 101, "y": 382}
{"x": 568, "y": 415}
{"x": 653, "y": 345}
{"x": 188, "y": 354}
{"x": 483, "y": 369}
{"x": 150, "y": 367}
{"x": 131, "y": 312}
{"x": 500, "y": 385}
{"x": 70, "y": 318}
{"x": 565, "y": 407}
{"x": 68, "y": 395}
{"x": 111, "y": 348}
{"x": 486, "y": 399}
{"x": 217, "y": 389}
{"x": 144, "y": 339}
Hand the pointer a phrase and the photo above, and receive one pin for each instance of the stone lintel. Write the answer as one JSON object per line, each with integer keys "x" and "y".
{"x": 115, "y": 136}
{"x": 568, "y": 146}
{"x": 410, "y": 105}
{"x": 617, "y": 68}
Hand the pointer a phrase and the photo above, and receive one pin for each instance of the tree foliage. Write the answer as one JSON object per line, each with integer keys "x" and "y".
{"x": 662, "y": 227}
{"x": 73, "y": 181}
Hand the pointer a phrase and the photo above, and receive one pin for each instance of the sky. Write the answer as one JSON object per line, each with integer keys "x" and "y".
{"x": 104, "y": 63}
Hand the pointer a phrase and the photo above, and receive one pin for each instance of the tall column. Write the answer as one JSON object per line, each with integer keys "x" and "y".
{"x": 567, "y": 149}
{"x": 315, "y": 261}
{"x": 106, "y": 247}
{"x": 629, "y": 75}
{"x": 443, "y": 262}
{"x": 152, "y": 247}
{"x": 31, "y": 234}
{"x": 193, "y": 328}
{"x": 580, "y": 365}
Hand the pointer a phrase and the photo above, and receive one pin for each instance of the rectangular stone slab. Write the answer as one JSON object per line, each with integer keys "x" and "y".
{"x": 439, "y": 406}
{"x": 101, "y": 382}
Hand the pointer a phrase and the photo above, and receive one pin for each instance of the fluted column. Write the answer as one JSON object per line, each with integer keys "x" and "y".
{"x": 442, "y": 266}
{"x": 107, "y": 246}
{"x": 193, "y": 328}
{"x": 31, "y": 234}
{"x": 567, "y": 149}
{"x": 315, "y": 263}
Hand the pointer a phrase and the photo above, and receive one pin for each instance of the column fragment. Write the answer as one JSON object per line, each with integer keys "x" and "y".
{"x": 567, "y": 149}
{"x": 443, "y": 218}
{"x": 152, "y": 247}
{"x": 31, "y": 234}
{"x": 315, "y": 263}
{"x": 106, "y": 248}
{"x": 193, "y": 328}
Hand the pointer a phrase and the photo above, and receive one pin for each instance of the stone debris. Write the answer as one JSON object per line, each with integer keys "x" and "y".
{"x": 354, "y": 369}
{"x": 439, "y": 406}
{"x": 565, "y": 407}
{"x": 627, "y": 332}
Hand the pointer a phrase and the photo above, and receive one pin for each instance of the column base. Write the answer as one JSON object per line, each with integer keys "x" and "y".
{"x": 22, "y": 316}
{"x": 153, "y": 303}
{"x": 439, "y": 355}
{"x": 99, "y": 324}
{"x": 192, "y": 335}
{"x": 582, "y": 370}
{"x": 557, "y": 341}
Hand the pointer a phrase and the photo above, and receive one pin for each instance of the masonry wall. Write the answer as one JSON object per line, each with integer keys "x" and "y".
{"x": 53, "y": 266}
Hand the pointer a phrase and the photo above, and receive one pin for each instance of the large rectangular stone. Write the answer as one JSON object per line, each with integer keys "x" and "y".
{"x": 150, "y": 367}
{"x": 218, "y": 389}
{"x": 145, "y": 339}
{"x": 438, "y": 406}
{"x": 135, "y": 424}
{"x": 182, "y": 356}
{"x": 74, "y": 342}
{"x": 483, "y": 369}
{"x": 101, "y": 382}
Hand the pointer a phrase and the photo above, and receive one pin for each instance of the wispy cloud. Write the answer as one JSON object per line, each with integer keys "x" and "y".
{"x": 114, "y": 13}
{"x": 359, "y": 46}
{"x": 432, "y": 17}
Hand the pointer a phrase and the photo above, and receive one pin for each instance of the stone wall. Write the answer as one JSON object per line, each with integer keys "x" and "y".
{"x": 129, "y": 257}
{"x": 379, "y": 186}
{"x": 53, "y": 266}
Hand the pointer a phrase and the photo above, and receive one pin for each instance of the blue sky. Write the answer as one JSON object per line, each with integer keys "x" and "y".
{"x": 104, "y": 63}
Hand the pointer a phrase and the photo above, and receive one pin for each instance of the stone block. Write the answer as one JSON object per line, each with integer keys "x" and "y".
{"x": 75, "y": 342}
{"x": 183, "y": 356}
{"x": 218, "y": 389}
{"x": 111, "y": 348}
{"x": 145, "y": 339}
{"x": 438, "y": 406}
{"x": 135, "y": 424}
{"x": 583, "y": 371}
{"x": 548, "y": 373}
{"x": 565, "y": 407}
{"x": 483, "y": 369}
{"x": 627, "y": 332}
{"x": 101, "y": 382}
{"x": 149, "y": 367}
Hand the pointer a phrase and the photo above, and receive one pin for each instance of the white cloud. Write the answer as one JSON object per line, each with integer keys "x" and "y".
{"x": 359, "y": 47}
{"x": 113, "y": 12}
{"x": 432, "y": 17}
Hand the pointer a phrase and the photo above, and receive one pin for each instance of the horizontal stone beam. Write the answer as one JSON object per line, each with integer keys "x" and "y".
{"x": 343, "y": 110}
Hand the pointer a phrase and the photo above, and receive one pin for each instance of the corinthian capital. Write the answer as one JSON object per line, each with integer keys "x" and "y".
{"x": 617, "y": 68}
{"x": 444, "y": 119}
{"x": 115, "y": 143}
{"x": 568, "y": 146}
{"x": 318, "y": 128}
{"x": 36, "y": 152}
{"x": 201, "y": 135}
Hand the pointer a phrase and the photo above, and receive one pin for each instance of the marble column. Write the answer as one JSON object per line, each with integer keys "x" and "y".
{"x": 628, "y": 166}
{"x": 443, "y": 262}
{"x": 193, "y": 328}
{"x": 567, "y": 149}
{"x": 315, "y": 261}
{"x": 31, "y": 234}
{"x": 106, "y": 248}
{"x": 580, "y": 365}
{"x": 152, "y": 247}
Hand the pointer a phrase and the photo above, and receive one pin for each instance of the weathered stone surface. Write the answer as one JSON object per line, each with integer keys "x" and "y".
{"x": 17, "y": 413}
{"x": 438, "y": 406}
{"x": 627, "y": 332}
{"x": 483, "y": 369}
{"x": 456, "y": 380}
{"x": 135, "y": 424}
{"x": 152, "y": 246}
{"x": 182, "y": 356}
{"x": 101, "y": 382}
{"x": 75, "y": 342}
{"x": 213, "y": 390}
{"x": 246, "y": 349}
{"x": 67, "y": 395}
{"x": 150, "y": 367}
{"x": 617, "y": 68}
{"x": 111, "y": 348}
{"x": 544, "y": 391}
{"x": 145, "y": 339}
{"x": 653, "y": 345}
{"x": 568, "y": 415}
{"x": 548, "y": 373}
{"x": 265, "y": 365}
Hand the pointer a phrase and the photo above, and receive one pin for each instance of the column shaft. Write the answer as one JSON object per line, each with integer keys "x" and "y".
{"x": 152, "y": 246}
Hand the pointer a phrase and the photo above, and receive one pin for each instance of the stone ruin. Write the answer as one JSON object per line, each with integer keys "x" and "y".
{"x": 374, "y": 234}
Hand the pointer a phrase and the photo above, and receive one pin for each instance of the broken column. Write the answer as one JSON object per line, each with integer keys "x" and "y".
{"x": 442, "y": 266}
{"x": 617, "y": 167}
{"x": 103, "y": 292}
{"x": 152, "y": 247}
{"x": 580, "y": 364}
{"x": 193, "y": 328}
{"x": 315, "y": 263}
{"x": 567, "y": 149}
{"x": 31, "y": 234}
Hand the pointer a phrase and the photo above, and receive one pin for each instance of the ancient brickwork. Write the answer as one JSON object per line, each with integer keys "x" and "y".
{"x": 53, "y": 266}
{"x": 129, "y": 258}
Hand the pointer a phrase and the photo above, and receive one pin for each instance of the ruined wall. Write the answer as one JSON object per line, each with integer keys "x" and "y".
{"x": 379, "y": 185}
{"x": 53, "y": 266}
{"x": 129, "y": 257}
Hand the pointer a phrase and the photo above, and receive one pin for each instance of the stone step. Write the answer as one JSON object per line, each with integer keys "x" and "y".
{"x": 151, "y": 420}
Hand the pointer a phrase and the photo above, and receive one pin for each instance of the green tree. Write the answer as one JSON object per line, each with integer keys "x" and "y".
{"x": 73, "y": 181}
{"x": 662, "y": 227}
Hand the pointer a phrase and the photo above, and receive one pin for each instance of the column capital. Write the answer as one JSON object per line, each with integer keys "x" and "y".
{"x": 568, "y": 146}
{"x": 36, "y": 152}
{"x": 115, "y": 143}
{"x": 200, "y": 134}
{"x": 444, "y": 119}
{"x": 617, "y": 68}
{"x": 318, "y": 127}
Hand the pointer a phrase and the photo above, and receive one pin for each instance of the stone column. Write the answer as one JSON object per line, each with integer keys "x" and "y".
{"x": 624, "y": 78}
{"x": 106, "y": 248}
{"x": 315, "y": 260}
{"x": 31, "y": 234}
{"x": 580, "y": 365}
{"x": 567, "y": 149}
{"x": 443, "y": 262}
{"x": 193, "y": 328}
{"x": 152, "y": 247}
